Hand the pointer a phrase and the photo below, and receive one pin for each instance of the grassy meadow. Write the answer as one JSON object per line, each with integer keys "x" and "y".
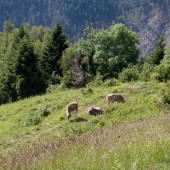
{"x": 34, "y": 133}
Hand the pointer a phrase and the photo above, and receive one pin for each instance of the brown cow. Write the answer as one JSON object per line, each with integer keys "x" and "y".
{"x": 111, "y": 98}
{"x": 70, "y": 108}
{"x": 94, "y": 111}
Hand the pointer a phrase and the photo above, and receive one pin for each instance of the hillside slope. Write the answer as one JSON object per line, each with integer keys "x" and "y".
{"x": 149, "y": 18}
{"x": 35, "y": 129}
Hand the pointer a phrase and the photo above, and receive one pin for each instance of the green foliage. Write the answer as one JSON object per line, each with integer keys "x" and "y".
{"x": 50, "y": 61}
{"x": 67, "y": 59}
{"x": 40, "y": 37}
{"x": 36, "y": 116}
{"x": 8, "y": 86}
{"x": 45, "y": 111}
{"x": 110, "y": 82}
{"x": 132, "y": 73}
{"x": 67, "y": 80}
{"x": 32, "y": 119}
{"x": 67, "y": 66}
{"x": 22, "y": 77}
{"x": 53, "y": 88}
{"x": 158, "y": 53}
{"x": 3, "y": 97}
{"x": 166, "y": 94}
{"x": 97, "y": 80}
{"x": 8, "y": 27}
{"x": 30, "y": 125}
{"x": 108, "y": 51}
{"x": 28, "y": 78}
{"x": 163, "y": 71}
{"x": 86, "y": 91}
{"x": 166, "y": 59}
{"x": 146, "y": 72}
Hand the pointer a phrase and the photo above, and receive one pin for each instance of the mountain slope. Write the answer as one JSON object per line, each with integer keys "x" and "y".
{"x": 149, "y": 18}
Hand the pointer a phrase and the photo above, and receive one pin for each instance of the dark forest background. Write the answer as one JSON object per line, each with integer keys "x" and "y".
{"x": 149, "y": 18}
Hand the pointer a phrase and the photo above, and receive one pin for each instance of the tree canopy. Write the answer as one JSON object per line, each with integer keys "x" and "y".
{"x": 108, "y": 51}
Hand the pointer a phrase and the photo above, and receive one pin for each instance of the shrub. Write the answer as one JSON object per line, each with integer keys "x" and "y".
{"x": 31, "y": 119}
{"x": 163, "y": 72}
{"x": 86, "y": 91}
{"x": 54, "y": 79}
{"x": 154, "y": 76}
{"x": 53, "y": 88}
{"x": 67, "y": 80}
{"x": 130, "y": 73}
{"x": 61, "y": 118}
{"x": 3, "y": 97}
{"x": 97, "y": 81}
{"x": 45, "y": 111}
{"x": 110, "y": 82}
{"x": 146, "y": 72}
{"x": 166, "y": 94}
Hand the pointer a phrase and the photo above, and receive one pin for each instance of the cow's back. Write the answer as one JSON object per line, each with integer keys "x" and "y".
{"x": 114, "y": 98}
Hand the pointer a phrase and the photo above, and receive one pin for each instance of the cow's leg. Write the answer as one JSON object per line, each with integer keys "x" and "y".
{"x": 68, "y": 116}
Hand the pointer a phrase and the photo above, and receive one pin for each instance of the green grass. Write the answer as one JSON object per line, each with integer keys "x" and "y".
{"x": 126, "y": 136}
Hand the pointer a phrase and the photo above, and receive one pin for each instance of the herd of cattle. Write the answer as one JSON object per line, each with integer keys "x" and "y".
{"x": 110, "y": 98}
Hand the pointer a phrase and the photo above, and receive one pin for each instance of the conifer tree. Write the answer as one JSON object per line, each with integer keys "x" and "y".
{"x": 28, "y": 78}
{"x": 158, "y": 52}
{"x": 22, "y": 78}
{"x": 52, "y": 56}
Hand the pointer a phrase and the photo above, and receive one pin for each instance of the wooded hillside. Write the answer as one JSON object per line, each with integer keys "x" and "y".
{"x": 149, "y": 18}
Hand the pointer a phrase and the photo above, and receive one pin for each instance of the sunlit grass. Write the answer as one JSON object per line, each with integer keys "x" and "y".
{"x": 143, "y": 103}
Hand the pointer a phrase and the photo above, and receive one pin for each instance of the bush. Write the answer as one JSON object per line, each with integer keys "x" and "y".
{"x": 154, "y": 76}
{"x": 32, "y": 119}
{"x": 45, "y": 111}
{"x": 166, "y": 94}
{"x": 110, "y": 82}
{"x": 130, "y": 73}
{"x": 67, "y": 80}
{"x": 54, "y": 79}
{"x": 159, "y": 73}
{"x": 3, "y": 97}
{"x": 54, "y": 88}
{"x": 86, "y": 91}
{"x": 163, "y": 72}
{"x": 146, "y": 72}
{"x": 97, "y": 81}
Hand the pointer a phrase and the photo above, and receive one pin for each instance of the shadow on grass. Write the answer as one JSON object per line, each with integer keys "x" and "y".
{"x": 79, "y": 119}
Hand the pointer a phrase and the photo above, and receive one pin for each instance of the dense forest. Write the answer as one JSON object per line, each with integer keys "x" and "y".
{"x": 149, "y": 18}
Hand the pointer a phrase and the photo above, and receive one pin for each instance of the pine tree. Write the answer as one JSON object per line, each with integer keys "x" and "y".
{"x": 22, "y": 77}
{"x": 52, "y": 56}
{"x": 28, "y": 78}
{"x": 158, "y": 52}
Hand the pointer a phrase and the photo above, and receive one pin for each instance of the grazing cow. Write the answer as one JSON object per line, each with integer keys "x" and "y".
{"x": 111, "y": 98}
{"x": 94, "y": 111}
{"x": 70, "y": 108}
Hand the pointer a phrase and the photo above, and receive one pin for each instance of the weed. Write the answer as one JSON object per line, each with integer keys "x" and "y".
{"x": 110, "y": 82}
{"x": 166, "y": 94}
{"x": 61, "y": 118}
{"x": 31, "y": 119}
{"x": 45, "y": 111}
{"x": 86, "y": 91}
